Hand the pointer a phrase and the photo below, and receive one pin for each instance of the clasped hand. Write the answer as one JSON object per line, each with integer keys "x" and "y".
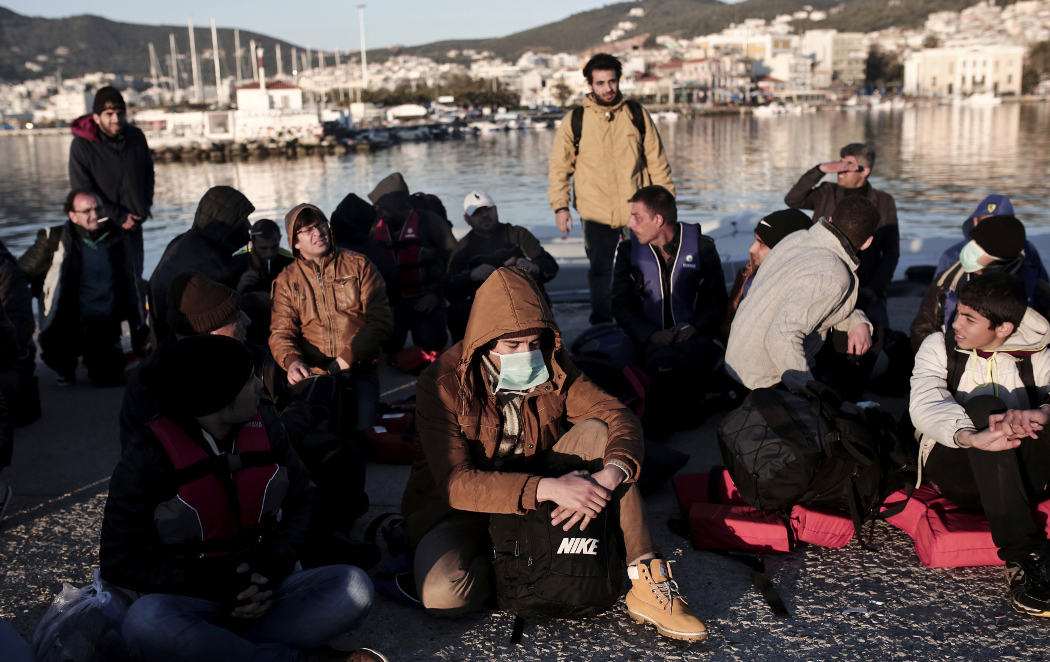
{"x": 1006, "y": 430}
{"x": 255, "y": 600}
{"x": 581, "y": 496}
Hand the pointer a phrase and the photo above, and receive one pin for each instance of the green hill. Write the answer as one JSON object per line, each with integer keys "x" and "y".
{"x": 76, "y": 45}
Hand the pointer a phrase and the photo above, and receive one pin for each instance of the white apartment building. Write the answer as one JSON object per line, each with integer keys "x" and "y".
{"x": 838, "y": 56}
{"x": 277, "y": 95}
{"x": 945, "y": 72}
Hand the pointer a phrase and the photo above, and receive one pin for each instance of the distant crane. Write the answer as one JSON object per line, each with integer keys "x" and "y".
{"x": 174, "y": 65}
{"x": 197, "y": 91}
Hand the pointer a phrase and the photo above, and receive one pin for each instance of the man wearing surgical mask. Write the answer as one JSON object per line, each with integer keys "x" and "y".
{"x": 997, "y": 243}
{"x": 490, "y": 414}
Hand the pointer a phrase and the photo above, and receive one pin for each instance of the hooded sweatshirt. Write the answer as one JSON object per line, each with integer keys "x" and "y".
{"x": 220, "y": 228}
{"x": 938, "y": 415}
{"x": 613, "y": 163}
{"x": 461, "y": 425}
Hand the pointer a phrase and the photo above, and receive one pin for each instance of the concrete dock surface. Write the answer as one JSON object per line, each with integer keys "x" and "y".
{"x": 850, "y": 603}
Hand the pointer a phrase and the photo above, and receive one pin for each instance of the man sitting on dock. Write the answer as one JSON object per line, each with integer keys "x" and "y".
{"x": 996, "y": 244}
{"x": 259, "y": 264}
{"x": 993, "y": 205}
{"x": 879, "y": 260}
{"x": 669, "y": 297}
{"x": 411, "y": 247}
{"x": 489, "y": 245}
{"x": 84, "y": 273}
{"x": 491, "y": 416}
{"x": 807, "y": 286}
{"x": 208, "y": 510}
{"x": 330, "y": 311}
{"x": 220, "y": 227}
{"x": 978, "y": 399}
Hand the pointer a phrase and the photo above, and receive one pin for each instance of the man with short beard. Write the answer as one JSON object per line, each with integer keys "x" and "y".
{"x": 111, "y": 159}
{"x": 616, "y": 152}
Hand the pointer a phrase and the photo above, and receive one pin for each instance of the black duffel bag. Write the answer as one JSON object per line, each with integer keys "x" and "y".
{"x": 784, "y": 448}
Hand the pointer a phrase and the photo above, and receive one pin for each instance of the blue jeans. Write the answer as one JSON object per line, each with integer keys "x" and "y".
{"x": 309, "y": 609}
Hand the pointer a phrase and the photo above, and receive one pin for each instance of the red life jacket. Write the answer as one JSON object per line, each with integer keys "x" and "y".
{"x": 405, "y": 252}
{"x": 226, "y": 492}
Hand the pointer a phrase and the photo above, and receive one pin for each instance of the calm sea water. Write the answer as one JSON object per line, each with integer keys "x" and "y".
{"x": 937, "y": 162}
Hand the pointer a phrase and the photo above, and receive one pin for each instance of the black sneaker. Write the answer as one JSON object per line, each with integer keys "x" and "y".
{"x": 1028, "y": 584}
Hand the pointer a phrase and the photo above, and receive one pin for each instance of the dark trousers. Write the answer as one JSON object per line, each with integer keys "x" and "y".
{"x": 428, "y": 329}
{"x": 97, "y": 340}
{"x": 1004, "y": 484}
{"x": 680, "y": 374}
{"x": 599, "y": 240}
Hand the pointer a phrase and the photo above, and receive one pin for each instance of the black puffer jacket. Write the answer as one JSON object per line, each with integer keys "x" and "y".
{"x": 220, "y": 228}
{"x": 132, "y": 554}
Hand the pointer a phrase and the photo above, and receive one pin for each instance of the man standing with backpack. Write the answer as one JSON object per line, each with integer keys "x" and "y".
{"x": 490, "y": 416}
{"x": 978, "y": 399}
{"x": 608, "y": 149}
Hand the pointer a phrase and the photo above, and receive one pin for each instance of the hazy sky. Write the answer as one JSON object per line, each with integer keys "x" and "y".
{"x": 328, "y": 24}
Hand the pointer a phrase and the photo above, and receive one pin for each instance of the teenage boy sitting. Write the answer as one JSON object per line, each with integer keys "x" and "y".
{"x": 978, "y": 401}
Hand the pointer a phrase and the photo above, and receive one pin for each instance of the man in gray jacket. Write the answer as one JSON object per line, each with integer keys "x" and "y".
{"x": 807, "y": 286}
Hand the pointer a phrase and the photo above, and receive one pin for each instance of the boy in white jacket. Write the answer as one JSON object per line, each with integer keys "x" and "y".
{"x": 978, "y": 401}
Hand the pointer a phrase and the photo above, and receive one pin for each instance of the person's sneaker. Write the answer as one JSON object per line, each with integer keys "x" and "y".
{"x": 66, "y": 380}
{"x": 1028, "y": 585}
{"x": 654, "y": 598}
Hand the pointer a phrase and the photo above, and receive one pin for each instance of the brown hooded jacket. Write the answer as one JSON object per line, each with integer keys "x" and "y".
{"x": 460, "y": 422}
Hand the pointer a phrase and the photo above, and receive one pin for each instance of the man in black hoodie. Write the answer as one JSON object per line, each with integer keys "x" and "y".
{"x": 220, "y": 227}
{"x": 111, "y": 159}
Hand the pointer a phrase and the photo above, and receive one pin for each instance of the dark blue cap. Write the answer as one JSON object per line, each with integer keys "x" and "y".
{"x": 993, "y": 205}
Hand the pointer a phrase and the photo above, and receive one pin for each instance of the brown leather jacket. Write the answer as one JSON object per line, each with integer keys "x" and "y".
{"x": 336, "y": 309}
{"x": 460, "y": 423}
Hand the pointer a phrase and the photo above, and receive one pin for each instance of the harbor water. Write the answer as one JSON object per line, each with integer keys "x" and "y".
{"x": 938, "y": 162}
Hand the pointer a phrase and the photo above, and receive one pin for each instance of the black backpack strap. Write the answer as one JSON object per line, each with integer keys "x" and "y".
{"x": 712, "y": 486}
{"x": 1024, "y": 366}
{"x": 956, "y": 363}
{"x": 576, "y": 122}
{"x": 637, "y": 118}
{"x": 634, "y": 109}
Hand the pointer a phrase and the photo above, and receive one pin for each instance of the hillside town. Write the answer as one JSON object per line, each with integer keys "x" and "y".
{"x": 979, "y": 52}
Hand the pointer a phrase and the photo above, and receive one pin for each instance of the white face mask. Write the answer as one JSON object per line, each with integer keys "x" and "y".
{"x": 970, "y": 257}
{"x": 521, "y": 371}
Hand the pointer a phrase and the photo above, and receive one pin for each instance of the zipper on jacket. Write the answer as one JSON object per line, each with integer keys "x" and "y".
{"x": 324, "y": 301}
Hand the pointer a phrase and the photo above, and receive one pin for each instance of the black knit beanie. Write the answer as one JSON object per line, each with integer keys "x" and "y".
{"x": 1002, "y": 237}
{"x": 199, "y": 375}
{"x": 780, "y": 224}
{"x": 108, "y": 98}
{"x": 199, "y": 305}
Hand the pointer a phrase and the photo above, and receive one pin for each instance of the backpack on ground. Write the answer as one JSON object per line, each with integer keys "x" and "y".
{"x": 606, "y": 355}
{"x": 809, "y": 448}
{"x": 542, "y": 571}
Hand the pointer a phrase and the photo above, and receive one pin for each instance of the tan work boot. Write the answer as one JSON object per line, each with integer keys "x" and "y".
{"x": 654, "y": 598}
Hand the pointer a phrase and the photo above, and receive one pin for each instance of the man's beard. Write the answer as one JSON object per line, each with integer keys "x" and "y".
{"x": 602, "y": 102}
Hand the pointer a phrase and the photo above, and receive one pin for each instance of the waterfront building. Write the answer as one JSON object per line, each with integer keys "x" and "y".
{"x": 964, "y": 70}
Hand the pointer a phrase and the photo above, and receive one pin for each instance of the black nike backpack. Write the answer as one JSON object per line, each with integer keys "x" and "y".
{"x": 542, "y": 571}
